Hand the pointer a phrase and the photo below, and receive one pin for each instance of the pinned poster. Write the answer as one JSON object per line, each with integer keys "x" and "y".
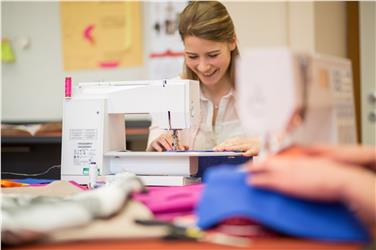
{"x": 166, "y": 54}
{"x": 101, "y": 34}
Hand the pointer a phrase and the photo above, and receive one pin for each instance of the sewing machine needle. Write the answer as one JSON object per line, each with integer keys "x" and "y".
{"x": 174, "y": 133}
{"x": 174, "y": 139}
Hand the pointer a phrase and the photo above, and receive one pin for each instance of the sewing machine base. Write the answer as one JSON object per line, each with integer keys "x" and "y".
{"x": 155, "y": 168}
{"x": 148, "y": 180}
{"x": 167, "y": 180}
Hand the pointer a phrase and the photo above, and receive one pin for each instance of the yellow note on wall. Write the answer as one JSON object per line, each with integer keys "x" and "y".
{"x": 101, "y": 35}
{"x": 7, "y": 54}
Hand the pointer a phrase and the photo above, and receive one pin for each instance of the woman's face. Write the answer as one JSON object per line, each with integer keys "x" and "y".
{"x": 208, "y": 59}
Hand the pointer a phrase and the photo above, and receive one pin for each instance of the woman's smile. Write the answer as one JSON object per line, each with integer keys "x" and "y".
{"x": 209, "y": 74}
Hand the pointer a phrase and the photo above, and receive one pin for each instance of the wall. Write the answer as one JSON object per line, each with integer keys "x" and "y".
{"x": 32, "y": 88}
{"x": 368, "y": 72}
{"x": 259, "y": 24}
{"x": 330, "y": 28}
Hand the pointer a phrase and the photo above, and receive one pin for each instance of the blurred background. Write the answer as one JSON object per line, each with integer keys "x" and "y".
{"x": 44, "y": 42}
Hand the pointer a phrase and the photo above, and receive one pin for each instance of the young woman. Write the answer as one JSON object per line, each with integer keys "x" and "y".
{"x": 209, "y": 39}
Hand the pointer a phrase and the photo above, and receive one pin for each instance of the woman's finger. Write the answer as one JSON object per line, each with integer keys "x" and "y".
{"x": 264, "y": 180}
{"x": 156, "y": 147}
{"x": 257, "y": 166}
{"x": 164, "y": 142}
{"x": 242, "y": 147}
{"x": 251, "y": 152}
{"x": 183, "y": 147}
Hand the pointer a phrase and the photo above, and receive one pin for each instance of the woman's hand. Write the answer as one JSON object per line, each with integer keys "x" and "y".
{"x": 357, "y": 155}
{"x": 302, "y": 176}
{"x": 250, "y": 146}
{"x": 360, "y": 155}
{"x": 164, "y": 143}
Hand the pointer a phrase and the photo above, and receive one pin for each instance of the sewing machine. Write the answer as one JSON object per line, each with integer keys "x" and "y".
{"x": 288, "y": 97}
{"x": 94, "y": 129}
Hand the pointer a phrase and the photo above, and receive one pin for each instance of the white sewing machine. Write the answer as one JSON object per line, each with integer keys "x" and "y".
{"x": 288, "y": 97}
{"x": 94, "y": 129}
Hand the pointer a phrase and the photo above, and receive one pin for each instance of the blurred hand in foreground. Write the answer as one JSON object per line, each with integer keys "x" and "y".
{"x": 310, "y": 174}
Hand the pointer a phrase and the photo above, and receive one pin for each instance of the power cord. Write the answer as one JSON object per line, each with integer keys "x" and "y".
{"x": 43, "y": 173}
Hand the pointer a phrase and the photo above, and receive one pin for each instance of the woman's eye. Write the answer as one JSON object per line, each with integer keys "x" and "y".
{"x": 192, "y": 57}
{"x": 213, "y": 56}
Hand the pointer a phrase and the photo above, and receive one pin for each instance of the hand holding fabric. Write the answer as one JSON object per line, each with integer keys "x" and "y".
{"x": 317, "y": 178}
{"x": 313, "y": 178}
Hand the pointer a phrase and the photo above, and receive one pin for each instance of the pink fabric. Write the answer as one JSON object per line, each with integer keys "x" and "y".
{"x": 36, "y": 185}
{"x": 169, "y": 202}
{"x": 83, "y": 187}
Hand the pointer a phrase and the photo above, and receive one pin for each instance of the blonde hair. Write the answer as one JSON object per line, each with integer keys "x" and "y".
{"x": 208, "y": 20}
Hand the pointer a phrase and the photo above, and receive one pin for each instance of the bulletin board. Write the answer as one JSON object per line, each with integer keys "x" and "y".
{"x": 101, "y": 35}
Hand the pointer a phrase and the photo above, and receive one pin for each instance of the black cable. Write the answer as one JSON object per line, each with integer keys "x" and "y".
{"x": 43, "y": 173}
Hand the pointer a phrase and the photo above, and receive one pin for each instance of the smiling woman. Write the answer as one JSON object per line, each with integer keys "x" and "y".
{"x": 209, "y": 38}
{"x": 210, "y": 61}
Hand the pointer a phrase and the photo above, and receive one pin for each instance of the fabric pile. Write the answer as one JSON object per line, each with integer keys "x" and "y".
{"x": 28, "y": 217}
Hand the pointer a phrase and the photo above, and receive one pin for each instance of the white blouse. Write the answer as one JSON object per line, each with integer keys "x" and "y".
{"x": 205, "y": 136}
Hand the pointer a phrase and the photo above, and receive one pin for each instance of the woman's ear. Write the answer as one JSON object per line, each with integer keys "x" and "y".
{"x": 233, "y": 44}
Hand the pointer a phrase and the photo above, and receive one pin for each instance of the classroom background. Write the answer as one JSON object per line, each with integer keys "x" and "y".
{"x": 33, "y": 83}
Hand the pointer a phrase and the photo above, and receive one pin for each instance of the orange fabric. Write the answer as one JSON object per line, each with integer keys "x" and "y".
{"x": 7, "y": 183}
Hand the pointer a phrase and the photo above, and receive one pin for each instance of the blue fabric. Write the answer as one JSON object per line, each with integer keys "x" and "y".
{"x": 208, "y": 162}
{"x": 34, "y": 181}
{"x": 227, "y": 195}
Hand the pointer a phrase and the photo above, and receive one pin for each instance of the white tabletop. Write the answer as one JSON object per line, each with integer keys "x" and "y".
{"x": 173, "y": 153}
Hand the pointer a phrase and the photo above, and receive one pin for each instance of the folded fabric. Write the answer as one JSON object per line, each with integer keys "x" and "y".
{"x": 170, "y": 202}
{"x": 227, "y": 195}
